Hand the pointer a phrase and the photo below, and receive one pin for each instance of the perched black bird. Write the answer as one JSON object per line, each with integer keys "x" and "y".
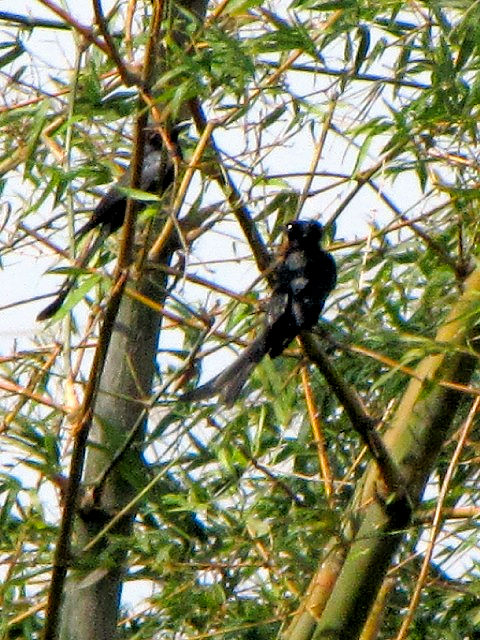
{"x": 302, "y": 280}
{"x": 157, "y": 174}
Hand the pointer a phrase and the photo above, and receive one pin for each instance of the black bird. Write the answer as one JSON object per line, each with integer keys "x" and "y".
{"x": 301, "y": 281}
{"x": 156, "y": 176}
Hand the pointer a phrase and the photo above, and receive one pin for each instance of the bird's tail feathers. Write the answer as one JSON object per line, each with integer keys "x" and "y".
{"x": 68, "y": 284}
{"x": 51, "y": 309}
{"x": 229, "y": 383}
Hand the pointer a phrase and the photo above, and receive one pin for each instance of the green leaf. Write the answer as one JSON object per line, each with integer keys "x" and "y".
{"x": 235, "y": 7}
{"x": 76, "y": 296}
{"x": 16, "y": 50}
{"x": 363, "y": 35}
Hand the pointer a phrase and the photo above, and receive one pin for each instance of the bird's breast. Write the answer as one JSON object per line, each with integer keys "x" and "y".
{"x": 296, "y": 261}
{"x": 297, "y": 285}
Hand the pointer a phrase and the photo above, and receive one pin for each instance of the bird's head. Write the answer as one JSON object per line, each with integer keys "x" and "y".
{"x": 154, "y": 139}
{"x": 304, "y": 232}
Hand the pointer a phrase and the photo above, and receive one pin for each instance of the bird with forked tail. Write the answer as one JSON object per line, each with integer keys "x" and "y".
{"x": 301, "y": 281}
{"x": 156, "y": 176}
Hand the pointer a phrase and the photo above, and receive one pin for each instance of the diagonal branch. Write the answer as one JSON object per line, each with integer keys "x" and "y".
{"x": 361, "y": 421}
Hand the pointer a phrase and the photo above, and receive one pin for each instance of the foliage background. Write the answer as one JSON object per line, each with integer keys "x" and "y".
{"x": 365, "y": 115}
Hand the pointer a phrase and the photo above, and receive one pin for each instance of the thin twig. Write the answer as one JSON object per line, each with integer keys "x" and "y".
{"x": 362, "y": 422}
{"x": 316, "y": 156}
{"x": 86, "y": 32}
{"x": 343, "y": 73}
{"x": 240, "y": 210}
{"x": 180, "y": 194}
{"x": 127, "y": 76}
{"x": 317, "y": 430}
{"x": 438, "y": 518}
{"x": 435, "y": 246}
{"x": 31, "y": 22}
